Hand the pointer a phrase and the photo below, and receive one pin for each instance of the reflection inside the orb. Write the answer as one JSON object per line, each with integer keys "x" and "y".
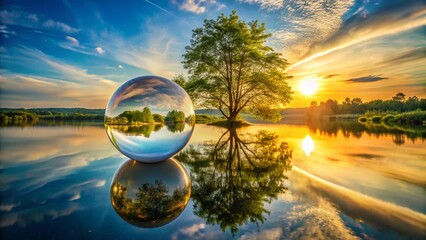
{"x": 150, "y": 195}
{"x": 139, "y": 110}
{"x": 152, "y": 143}
{"x": 308, "y": 145}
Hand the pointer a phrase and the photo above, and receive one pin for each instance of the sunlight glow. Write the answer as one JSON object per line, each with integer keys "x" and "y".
{"x": 309, "y": 86}
{"x": 308, "y": 145}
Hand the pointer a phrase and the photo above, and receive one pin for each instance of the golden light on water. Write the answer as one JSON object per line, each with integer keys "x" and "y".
{"x": 308, "y": 145}
{"x": 309, "y": 86}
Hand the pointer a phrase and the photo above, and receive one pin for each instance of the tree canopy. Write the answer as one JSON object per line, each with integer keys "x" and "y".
{"x": 232, "y": 69}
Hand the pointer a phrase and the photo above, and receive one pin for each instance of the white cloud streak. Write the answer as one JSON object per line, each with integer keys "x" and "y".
{"x": 72, "y": 40}
{"x": 59, "y": 26}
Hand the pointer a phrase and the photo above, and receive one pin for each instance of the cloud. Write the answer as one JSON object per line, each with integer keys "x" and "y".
{"x": 59, "y": 26}
{"x": 417, "y": 53}
{"x": 274, "y": 233}
{"x": 156, "y": 42}
{"x": 331, "y": 76}
{"x": 369, "y": 78}
{"x": 391, "y": 18}
{"x": 72, "y": 40}
{"x": 67, "y": 85}
{"x": 193, "y": 6}
{"x": 267, "y": 4}
{"x": 120, "y": 66}
{"x": 33, "y": 17}
{"x": 306, "y": 22}
{"x": 100, "y": 50}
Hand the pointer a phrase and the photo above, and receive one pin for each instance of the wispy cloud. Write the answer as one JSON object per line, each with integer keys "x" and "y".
{"x": 31, "y": 20}
{"x": 331, "y": 76}
{"x": 305, "y": 23}
{"x": 366, "y": 79}
{"x": 72, "y": 40}
{"x": 154, "y": 50}
{"x": 390, "y": 19}
{"x": 68, "y": 84}
{"x": 59, "y": 26}
{"x": 267, "y": 4}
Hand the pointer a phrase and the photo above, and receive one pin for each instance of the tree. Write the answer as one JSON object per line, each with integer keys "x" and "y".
{"x": 175, "y": 116}
{"x": 179, "y": 80}
{"x": 232, "y": 69}
{"x": 399, "y": 97}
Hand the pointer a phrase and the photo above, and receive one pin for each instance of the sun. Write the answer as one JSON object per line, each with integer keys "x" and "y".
{"x": 309, "y": 86}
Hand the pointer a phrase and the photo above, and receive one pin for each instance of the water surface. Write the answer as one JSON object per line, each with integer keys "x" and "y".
{"x": 330, "y": 181}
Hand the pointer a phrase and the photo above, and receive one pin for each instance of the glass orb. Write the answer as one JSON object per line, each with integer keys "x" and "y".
{"x": 149, "y": 119}
{"x": 150, "y": 195}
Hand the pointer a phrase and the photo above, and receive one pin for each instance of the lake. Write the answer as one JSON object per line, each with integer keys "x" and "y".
{"x": 334, "y": 180}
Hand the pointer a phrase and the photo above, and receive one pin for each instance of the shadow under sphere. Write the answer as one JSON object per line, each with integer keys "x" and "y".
{"x": 150, "y": 195}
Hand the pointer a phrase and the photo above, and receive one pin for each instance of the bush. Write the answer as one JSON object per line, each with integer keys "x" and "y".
{"x": 376, "y": 119}
{"x": 362, "y": 119}
{"x": 388, "y": 118}
{"x": 414, "y": 117}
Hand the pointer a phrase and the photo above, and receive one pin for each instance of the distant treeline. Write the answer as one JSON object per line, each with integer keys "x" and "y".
{"x": 396, "y": 104}
{"x": 21, "y": 115}
{"x": 145, "y": 116}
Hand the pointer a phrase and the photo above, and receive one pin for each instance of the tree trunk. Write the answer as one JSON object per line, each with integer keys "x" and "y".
{"x": 232, "y": 116}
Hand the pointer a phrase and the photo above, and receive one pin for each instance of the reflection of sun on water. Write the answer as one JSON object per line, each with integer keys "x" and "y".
{"x": 308, "y": 145}
{"x": 309, "y": 86}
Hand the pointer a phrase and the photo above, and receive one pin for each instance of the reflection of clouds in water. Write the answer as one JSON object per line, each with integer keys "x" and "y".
{"x": 332, "y": 200}
{"x": 190, "y": 231}
{"x": 274, "y": 233}
{"x": 38, "y": 185}
{"x": 24, "y": 218}
{"x": 63, "y": 150}
{"x": 320, "y": 221}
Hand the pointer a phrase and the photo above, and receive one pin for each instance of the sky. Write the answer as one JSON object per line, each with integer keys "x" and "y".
{"x": 77, "y": 53}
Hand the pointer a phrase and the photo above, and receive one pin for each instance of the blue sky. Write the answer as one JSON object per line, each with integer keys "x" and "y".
{"x": 76, "y": 53}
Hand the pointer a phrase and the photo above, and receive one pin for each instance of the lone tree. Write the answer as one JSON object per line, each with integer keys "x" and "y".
{"x": 232, "y": 69}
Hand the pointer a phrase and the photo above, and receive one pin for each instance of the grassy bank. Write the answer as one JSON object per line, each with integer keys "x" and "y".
{"x": 407, "y": 118}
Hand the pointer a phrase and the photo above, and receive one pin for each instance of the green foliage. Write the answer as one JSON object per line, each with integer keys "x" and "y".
{"x": 414, "y": 117}
{"x": 158, "y": 118}
{"x": 152, "y": 203}
{"x": 180, "y": 80}
{"x": 175, "y": 116}
{"x": 205, "y": 118}
{"x": 144, "y": 130}
{"x": 232, "y": 69}
{"x": 388, "y": 118}
{"x": 376, "y": 119}
{"x": 144, "y": 116}
{"x": 395, "y": 105}
{"x": 176, "y": 127}
{"x": 234, "y": 177}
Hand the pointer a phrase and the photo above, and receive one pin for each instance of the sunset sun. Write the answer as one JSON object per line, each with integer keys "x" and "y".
{"x": 308, "y": 86}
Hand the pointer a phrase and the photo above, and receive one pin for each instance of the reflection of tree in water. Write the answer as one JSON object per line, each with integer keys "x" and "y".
{"x": 152, "y": 206}
{"x": 233, "y": 178}
{"x": 176, "y": 127}
{"x": 354, "y": 129}
{"x": 144, "y": 130}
